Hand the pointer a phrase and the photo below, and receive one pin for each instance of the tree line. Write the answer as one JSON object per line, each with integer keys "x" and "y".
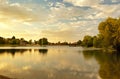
{"x": 108, "y": 37}
{"x": 14, "y": 41}
{"x": 21, "y": 41}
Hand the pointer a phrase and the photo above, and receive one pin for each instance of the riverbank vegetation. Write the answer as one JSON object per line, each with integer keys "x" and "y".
{"x": 108, "y": 37}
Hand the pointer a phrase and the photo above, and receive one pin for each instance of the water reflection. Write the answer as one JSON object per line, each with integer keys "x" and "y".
{"x": 109, "y": 63}
{"x": 12, "y": 51}
{"x": 58, "y": 63}
{"x": 21, "y": 51}
{"x": 43, "y": 51}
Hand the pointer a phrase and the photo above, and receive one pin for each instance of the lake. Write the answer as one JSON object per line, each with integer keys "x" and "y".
{"x": 58, "y": 62}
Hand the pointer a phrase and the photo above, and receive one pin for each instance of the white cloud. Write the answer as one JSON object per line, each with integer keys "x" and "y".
{"x": 71, "y": 31}
{"x": 15, "y": 12}
{"x": 103, "y": 10}
{"x": 55, "y": 20}
{"x": 107, "y": 11}
{"x": 68, "y": 13}
{"x": 3, "y": 1}
{"x": 83, "y": 2}
{"x": 61, "y": 12}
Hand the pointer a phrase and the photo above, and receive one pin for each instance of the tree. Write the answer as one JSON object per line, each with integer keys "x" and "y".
{"x": 2, "y": 40}
{"x": 13, "y": 40}
{"x": 97, "y": 41}
{"x": 43, "y": 41}
{"x": 13, "y": 37}
{"x": 79, "y": 42}
{"x": 87, "y": 41}
{"x": 30, "y": 41}
{"x": 35, "y": 42}
{"x": 110, "y": 30}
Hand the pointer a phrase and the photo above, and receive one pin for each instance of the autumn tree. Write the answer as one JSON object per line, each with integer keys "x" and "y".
{"x": 43, "y": 41}
{"x": 110, "y": 30}
{"x": 98, "y": 41}
{"x": 87, "y": 41}
{"x": 2, "y": 40}
{"x": 79, "y": 42}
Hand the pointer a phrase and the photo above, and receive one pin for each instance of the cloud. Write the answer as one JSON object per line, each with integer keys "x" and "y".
{"x": 66, "y": 13}
{"x": 108, "y": 11}
{"x": 63, "y": 35}
{"x": 83, "y": 2}
{"x": 103, "y": 8}
{"x": 3, "y": 1}
{"x": 15, "y": 13}
{"x": 71, "y": 31}
{"x": 64, "y": 20}
{"x": 110, "y": 2}
{"x": 92, "y": 2}
{"x": 60, "y": 12}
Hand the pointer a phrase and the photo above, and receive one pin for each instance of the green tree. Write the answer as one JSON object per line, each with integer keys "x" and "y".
{"x": 79, "y": 42}
{"x": 30, "y": 41}
{"x": 13, "y": 40}
{"x": 13, "y": 37}
{"x": 35, "y": 42}
{"x": 97, "y": 41}
{"x": 2, "y": 40}
{"x": 110, "y": 30}
{"x": 87, "y": 41}
{"x": 43, "y": 41}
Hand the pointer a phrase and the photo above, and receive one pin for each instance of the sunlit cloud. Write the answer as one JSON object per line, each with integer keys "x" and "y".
{"x": 59, "y": 20}
{"x": 83, "y": 2}
{"x": 15, "y": 13}
{"x": 71, "y": 31}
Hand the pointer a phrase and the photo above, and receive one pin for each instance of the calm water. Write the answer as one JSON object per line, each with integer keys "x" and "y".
{"x": 58, "y": 62}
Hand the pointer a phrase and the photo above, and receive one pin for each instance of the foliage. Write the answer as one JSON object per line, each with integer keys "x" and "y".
{"x": 13, "y": 41}
{"x": 110, "y": 30}
{"x": 97, "y": 41}
{"x": 2, "y": 40}
{"x": 79, "y": 42}
{"x": 87, "y": 41}
{"x": 108, "y": 37}
{"x": 43, "y": 41}
{"x": 30, "y": 41}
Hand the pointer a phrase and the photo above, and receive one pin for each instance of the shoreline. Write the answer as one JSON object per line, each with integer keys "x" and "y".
{"x": 5, "y": 77}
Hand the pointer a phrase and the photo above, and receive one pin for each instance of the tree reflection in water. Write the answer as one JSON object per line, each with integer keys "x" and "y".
{"x": 43, "y": 51}
{"x": 12, "y": 51}
{"x": 109, "y": 63}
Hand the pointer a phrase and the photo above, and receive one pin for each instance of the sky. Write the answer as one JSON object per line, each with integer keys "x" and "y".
{"x": 57, "y": 20}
